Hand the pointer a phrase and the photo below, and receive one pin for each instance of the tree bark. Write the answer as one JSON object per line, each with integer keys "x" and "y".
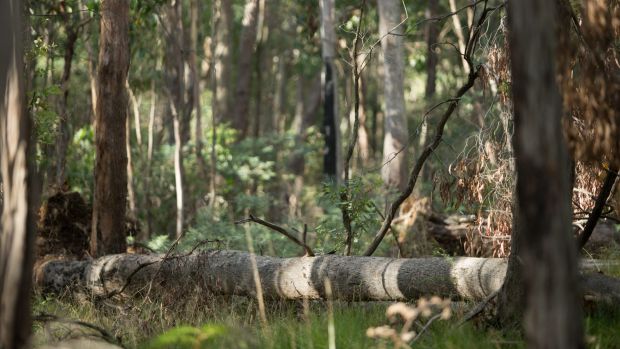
{"x": 178, "y": 172}
{"x": 110, "y": 194}
{"x": 394, "y": 172}
{"x": 131, "y": 194}
{"x": 222, "y": 53}
{"x": 195, "y": 69}
{"x": 62, "y": 139}
{"x": 173, "y": 64}
{"x": 19, "y": 200}
{"x": 458, "y": 31}
{"x": 146, "y": 189}
{"x": 542, "y": 281}
{"x": 353, "y": 278}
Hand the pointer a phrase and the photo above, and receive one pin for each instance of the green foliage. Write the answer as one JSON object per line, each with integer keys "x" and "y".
{"x": 187, "y": 337}
{"x": 159, "y": 243}
{"x": 45, "y": 117}
{"x": 81, "y": 161}
{"x": 361, "y": 207}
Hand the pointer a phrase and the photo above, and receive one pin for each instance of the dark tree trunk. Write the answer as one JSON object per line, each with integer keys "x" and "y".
{"x": 547, "y": 295}
{"x": 240, "y": 104}
{"x": 330, "y": 124}
{"x": 222, "y": 24}
{"x": 110, "y": 194}
{"x": 431, "y": 55}
{"x": 62, "y": 139}
{"x": 19, "y": 198}
{"x": 173, "y": 64}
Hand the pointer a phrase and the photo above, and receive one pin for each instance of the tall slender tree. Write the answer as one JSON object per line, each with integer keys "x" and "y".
{"x": 329, "y": 89}
{"x": 19, "y": 201}
{"x": 240, "y": 104}
{"x": 543, "y": 244}
{"x": 110, "y": 194}
{"x": 174, "y": 66}
{"x": 394, "y": 172}
{"x": 222, "y": 56}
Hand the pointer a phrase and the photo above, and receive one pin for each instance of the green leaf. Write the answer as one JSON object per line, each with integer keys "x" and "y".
{"x": 188, "y": 337}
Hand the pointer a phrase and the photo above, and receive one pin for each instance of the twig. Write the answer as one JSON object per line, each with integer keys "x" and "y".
{"x": 345, "y": 194}
{"x": 478, "y": 308}
{"x": 426, "y": 326}
{"x": 280, "y": 230}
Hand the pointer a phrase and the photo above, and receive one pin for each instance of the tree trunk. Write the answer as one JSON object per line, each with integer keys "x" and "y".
{"x": 220, "y": 21}
{"x": 394, "y": 172}
{"x": 431, "y": 54}
{"x": 110, "y": 194}
{"x": 329, "y": 89}
{"x": 240, "y": 105}
{"x": 458, "y": 31}
{"x": 195, "y": 69}
{"x": 173, "y": 64}
{"x": 222, "y": 53}
{"x": 542, "y": 278}
{"x": 62, "y": 139}
{"x": 352, "y": 278}
{"x": 148, "y": 200}
{"x": 19, "y": 202}
{"x": 131, "y": 195}
{"x": 362, "y": 134}
{"x": 178, "y": 172}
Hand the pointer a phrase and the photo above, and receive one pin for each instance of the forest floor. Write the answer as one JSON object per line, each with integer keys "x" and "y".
{"x": 233, "y": 322}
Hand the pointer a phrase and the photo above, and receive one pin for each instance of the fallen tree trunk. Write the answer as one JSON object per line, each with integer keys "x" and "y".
{"x": 351, "y": 278}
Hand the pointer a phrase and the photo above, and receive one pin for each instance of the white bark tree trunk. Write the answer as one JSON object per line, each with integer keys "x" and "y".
{"x": 352, "y": 278}
{"x": 394, "y": 172}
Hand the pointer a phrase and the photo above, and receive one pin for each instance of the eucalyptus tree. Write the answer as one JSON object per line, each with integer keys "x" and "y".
{"x": 394, "y": 172}
{"x": 18, "y": 194}
{"x": 110, "y": 194}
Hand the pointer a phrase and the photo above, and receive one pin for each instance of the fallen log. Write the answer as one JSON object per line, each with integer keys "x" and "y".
{"x": 351, "y": 278}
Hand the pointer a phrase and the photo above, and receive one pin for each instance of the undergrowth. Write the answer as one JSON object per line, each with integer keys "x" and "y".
{"x": 233, "y": 322}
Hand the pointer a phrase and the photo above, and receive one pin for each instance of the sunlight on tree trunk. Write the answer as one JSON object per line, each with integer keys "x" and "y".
{"x": 458, "y": 31}
{"x": 19, "y": 199}
{"x": 394, "y": 170}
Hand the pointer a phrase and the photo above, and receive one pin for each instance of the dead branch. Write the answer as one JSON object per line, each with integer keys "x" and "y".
{"x": 345, "y": 194}
{"x": 280, "y": 230}
{"x": 599, "y": 205}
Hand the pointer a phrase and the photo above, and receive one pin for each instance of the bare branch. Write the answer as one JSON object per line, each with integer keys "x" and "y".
{"x": 280, "y": 230}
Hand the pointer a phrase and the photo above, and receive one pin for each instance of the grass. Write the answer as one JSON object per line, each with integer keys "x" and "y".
{"x": 227, "y": 322}
{"x": 232, "y": 322}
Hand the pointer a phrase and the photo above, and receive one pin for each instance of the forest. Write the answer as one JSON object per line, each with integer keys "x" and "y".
{"x": 309, "y": 174}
